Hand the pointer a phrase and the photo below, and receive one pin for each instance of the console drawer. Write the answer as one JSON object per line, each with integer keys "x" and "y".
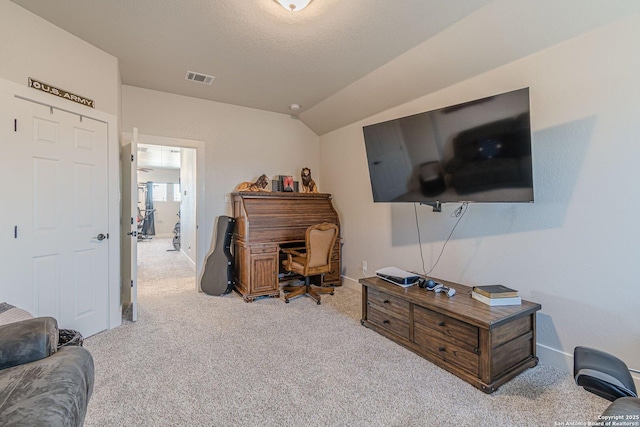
{"x": 398, "y": 326}
{"x": 461, "y": 357}
{"x": 386, "y": 302}
{"x": 446, "y": 328}
{"x": 447, "y": 338}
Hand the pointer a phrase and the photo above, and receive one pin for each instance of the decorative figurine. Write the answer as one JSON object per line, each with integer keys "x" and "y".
{"x": 260, "y": 185}
{"x": 308, "y": 184}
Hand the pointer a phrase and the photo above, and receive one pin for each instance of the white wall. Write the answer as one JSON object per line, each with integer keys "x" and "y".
{"x": 241, "y": 143}
{"x": 33, "y": 47}
{"x": 576, "y": 250}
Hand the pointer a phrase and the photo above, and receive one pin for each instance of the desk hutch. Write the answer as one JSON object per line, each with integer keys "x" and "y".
{"x": 266, "y": 222}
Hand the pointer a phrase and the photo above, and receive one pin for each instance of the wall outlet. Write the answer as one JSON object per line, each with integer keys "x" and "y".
{"x": 364, "y": 267}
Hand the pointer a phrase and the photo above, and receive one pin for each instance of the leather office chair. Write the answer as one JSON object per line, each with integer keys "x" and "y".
{"x": 609, "y": 377}
{"x": 319, "y": 242}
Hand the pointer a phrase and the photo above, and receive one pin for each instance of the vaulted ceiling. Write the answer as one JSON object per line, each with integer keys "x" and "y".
{"x": 340, "y": 60}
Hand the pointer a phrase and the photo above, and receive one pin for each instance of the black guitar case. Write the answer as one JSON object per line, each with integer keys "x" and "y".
{"x": 217, "y": 276}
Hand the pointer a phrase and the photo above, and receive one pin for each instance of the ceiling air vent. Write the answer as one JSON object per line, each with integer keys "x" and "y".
{"x": 200, "y": 78}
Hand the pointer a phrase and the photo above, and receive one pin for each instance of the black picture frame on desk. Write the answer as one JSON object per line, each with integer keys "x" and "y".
{"x": 285, "y": 183}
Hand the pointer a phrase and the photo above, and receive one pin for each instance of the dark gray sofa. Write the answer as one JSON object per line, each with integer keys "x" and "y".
{"x": 41, "y": 384}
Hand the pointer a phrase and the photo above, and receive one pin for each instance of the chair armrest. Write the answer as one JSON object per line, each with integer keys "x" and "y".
{"x": 296, "y": 252}
{"x": 27, "y": 341}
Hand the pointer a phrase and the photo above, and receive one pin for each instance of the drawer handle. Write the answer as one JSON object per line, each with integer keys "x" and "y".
{"x": 442, "y": 349}
{"x": 441, "y": 323}
{"x": 385, "y": 321}
{"x": 386, "y": 301}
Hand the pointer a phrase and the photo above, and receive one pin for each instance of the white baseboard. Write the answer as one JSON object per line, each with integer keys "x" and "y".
{"x": 556, "y": 358}
{"x": 192, "y": 263}
{"x": 563, "y": 361}
{"x": 350, "y": 283}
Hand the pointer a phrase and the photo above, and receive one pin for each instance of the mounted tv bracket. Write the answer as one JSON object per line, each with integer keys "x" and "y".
{"x": 437, "y": 206}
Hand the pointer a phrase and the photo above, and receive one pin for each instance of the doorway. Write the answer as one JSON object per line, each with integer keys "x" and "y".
{"x": 169, "y": 178}
{"x": 159, "y": 192}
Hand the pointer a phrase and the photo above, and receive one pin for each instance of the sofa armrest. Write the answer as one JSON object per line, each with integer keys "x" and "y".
{"x": 27, "y": 341}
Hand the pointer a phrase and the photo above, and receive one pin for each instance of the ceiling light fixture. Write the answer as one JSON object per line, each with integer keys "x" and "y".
{"x": 294, "y": 5}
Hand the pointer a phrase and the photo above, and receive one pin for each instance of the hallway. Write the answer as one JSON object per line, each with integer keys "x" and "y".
{"x": 162, "y": 271}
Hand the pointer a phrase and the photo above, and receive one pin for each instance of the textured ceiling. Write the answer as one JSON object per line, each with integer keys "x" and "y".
{"x": 331, "y": 58}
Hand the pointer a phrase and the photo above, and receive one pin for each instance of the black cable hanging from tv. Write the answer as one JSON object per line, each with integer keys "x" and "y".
{"x": 458, "y": 213}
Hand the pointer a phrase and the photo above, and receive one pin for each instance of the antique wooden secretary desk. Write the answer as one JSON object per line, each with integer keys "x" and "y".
{"x": 267, "y": 222}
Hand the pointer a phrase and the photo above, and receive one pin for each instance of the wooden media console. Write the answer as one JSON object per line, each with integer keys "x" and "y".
{"x": 485, "y": 346}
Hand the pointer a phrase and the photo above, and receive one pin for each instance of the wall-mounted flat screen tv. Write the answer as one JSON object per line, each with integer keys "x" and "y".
{"x": 477, "y": 151}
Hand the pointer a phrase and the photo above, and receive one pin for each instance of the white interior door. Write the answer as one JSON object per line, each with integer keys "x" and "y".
{"x": 56, "y": 163}
{"x": 129, "y": 227}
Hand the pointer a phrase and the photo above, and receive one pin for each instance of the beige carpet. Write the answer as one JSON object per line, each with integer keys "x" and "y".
{"x": 197, "y": 360}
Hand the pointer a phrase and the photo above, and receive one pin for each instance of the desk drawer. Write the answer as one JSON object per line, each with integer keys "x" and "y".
{"x": 386, "y": 302}
{"x": 398, "y": 326}
{"x": 264, "y": 249}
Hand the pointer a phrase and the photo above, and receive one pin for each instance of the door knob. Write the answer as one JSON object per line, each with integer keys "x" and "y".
{"x": 100, "y": 237}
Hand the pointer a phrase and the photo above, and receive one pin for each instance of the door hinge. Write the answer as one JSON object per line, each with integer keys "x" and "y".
{"x": 131, "y": 221}
{"x": 132, "y": 157}
{"x": 15, "y": 125}
{"x": 132, "y": 283}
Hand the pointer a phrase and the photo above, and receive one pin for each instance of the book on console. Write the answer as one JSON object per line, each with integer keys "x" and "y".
{"x": 397, "y": 276}
{"x": 495, "y": 291}
{"x": 496, "y": 301}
